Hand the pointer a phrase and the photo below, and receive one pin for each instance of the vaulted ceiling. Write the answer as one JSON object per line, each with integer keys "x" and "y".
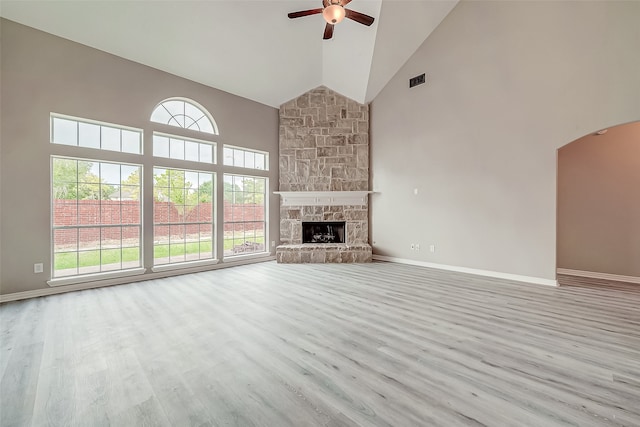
{"x": 246, "y": 47}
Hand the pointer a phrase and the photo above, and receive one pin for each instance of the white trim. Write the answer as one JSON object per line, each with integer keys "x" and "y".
{"x": 183, "y": 265}
{"x": 121, "y": 280}
{"x": 72, "y": 280}
{"x": 323, "y": 198}
{"x": 489, "y": 273}
{"x": 596, "y": 275}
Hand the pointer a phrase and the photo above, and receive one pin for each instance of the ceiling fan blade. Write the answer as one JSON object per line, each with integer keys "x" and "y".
{"x": 359, "y": 17}
{"x": 345, "y": 2}
{"x": 304, "y": 13}
{"x": 328, "y": 31}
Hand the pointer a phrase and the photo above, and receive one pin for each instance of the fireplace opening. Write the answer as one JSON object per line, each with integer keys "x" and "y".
{"x": 323, "y": 232}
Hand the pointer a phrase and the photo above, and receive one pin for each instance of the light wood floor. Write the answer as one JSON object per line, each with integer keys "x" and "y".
{"x": 377, "y": 344}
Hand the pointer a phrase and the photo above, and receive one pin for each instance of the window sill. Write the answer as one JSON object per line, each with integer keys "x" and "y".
{"x": 62, "y": 281}
{"x": 183, "y": 265}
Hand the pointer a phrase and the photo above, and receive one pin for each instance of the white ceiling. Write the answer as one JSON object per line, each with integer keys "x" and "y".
{"x": 246, "y": 47}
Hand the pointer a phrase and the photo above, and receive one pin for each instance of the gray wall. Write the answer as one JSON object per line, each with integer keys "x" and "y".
{"x": 508, "y": 83}
{"x": 599, "y": 202}
{"x": 42, "y": 73}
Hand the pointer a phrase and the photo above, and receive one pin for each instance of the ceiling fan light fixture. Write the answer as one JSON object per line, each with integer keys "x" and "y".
{"x": 333, "y": 13}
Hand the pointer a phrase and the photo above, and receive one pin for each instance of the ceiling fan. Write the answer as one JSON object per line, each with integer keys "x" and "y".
{"x": 334, "y": 12}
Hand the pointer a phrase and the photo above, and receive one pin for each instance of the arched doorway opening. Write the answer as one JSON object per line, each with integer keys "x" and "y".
{"x": 598, "y": 216}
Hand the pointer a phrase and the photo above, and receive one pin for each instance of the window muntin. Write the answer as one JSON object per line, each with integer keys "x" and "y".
{"x": 180, "y": 148}
{"x": 91, "y": 134}
{"x": 245, "y": 214}
{"x": 183, "y": 215}
{"x": 96, "y": 216}
{"x": 245, "y": 158}
{"x": 184, "y": 114}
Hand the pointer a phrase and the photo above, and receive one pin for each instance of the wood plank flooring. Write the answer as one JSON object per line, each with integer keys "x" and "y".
{"x": 378, "y": 344}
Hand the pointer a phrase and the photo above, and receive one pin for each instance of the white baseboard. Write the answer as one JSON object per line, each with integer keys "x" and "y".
{"x": 595, "y": 275}
{"x": 496, "y": 274}
{"x": 124, "y": 280}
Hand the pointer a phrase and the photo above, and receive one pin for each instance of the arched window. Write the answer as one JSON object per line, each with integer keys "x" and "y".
{"x": 184, "y": 114}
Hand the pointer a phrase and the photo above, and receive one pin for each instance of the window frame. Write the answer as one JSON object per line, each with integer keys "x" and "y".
{"x": 204, "y": 111}
{"x": 102, "y": 124}
{"x": 245, "y": 150}
{"x": 101, "y": 274}
{"x": 213, "y": 144}
{"x": 265, "y": 221}
{"x": 187, "y": 263}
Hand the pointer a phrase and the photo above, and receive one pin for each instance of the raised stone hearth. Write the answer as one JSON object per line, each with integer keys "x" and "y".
{"x": 323, "y": 253}
{"x": 324, "y": 155}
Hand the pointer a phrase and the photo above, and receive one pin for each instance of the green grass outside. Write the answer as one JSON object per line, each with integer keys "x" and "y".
{"x": 66, "y": 260}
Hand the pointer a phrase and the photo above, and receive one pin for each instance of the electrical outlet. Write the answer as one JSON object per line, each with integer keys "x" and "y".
{"x": 417, "y": 246}
{"x": 273, "y": 244}
{"x": 432, "y": 248}
{"x": 413, "y": 246}
{"x": 38, "y": 268}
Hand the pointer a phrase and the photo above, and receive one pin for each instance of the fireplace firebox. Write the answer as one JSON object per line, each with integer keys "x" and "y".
{"x": 323, "y": 232}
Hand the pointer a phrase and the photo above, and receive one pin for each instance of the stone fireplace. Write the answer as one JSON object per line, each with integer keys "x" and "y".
{"x": 324, "y": 177}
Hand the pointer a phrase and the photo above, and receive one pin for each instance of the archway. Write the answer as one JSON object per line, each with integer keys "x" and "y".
{"x": 598, "y": 205}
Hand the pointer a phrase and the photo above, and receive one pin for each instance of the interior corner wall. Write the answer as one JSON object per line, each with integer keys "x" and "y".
{"x": 507, "y": 84}
{"x": 42, "y": 73}
{"x": 599, "y": 203}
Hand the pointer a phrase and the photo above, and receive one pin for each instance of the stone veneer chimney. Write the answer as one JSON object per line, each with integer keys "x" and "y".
{"x": 324, "y": 146}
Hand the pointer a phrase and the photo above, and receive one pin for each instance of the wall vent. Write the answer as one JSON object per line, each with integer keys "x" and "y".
{"x": 417, "y": 80}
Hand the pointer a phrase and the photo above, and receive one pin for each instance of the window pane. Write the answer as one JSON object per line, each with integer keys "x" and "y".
{"x": 129, "y": 174}
{"x": 160, "y": 146}
{"x": 110, "y": 138}
{"x": 238, "y": 158}
{"x": 191, "y": 179}
{"x": 205, "y": 125}
{"x": 192, "y": 111}
{"x": 176, "y": 147}
{"x": 65, "y": 131}
{"x": 130, "y": 194}
{"x": 191, "y": 151}
{"x": 130, "y": 142}
{"x": 65, "y": 191}
{"x": 89, "y": 135}
{"x": 89, "y": 238}
{"x": 65, "y": 264}
{"x": 65, "y": 240}
{"x": 249, "y": 160}
{"x": 259, "y": 162}
{"x": 174, "y": 107}
{"x": 160, "y": 115}
{"x": 65, "y": 212}
{"x": 228, "y": 156}
{"x": 206, "y": 153}
{"x": 65, "y": 171}
{"x": 110, "y": 173}
{"x": 89, "y": 262}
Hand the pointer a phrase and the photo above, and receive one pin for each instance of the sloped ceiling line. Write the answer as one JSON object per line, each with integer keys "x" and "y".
{"x": 248, "y": 48}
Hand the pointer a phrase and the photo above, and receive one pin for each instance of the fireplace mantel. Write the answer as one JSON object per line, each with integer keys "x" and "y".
{"x": 323, "y": 198}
